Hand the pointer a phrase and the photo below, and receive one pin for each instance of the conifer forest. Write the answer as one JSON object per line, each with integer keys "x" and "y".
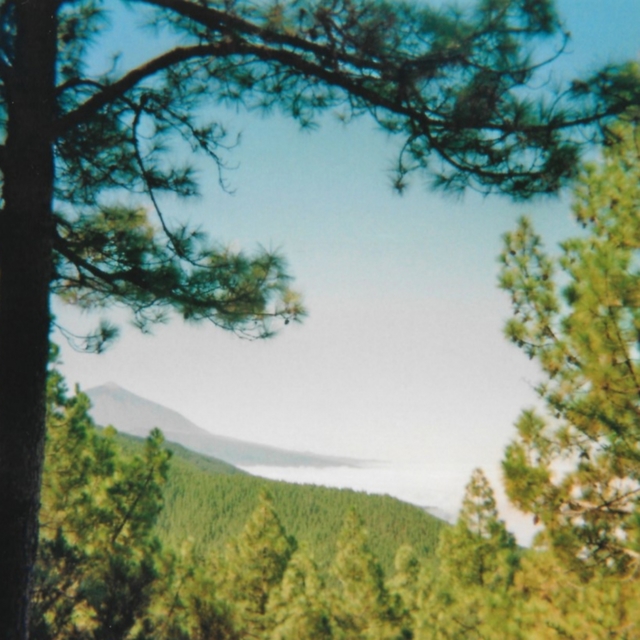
{"x": 110, "y": 537}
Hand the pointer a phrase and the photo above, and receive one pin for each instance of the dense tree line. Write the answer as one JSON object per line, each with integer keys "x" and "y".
{"x": 213, "y": 508}
{"x": 209, "y": 501}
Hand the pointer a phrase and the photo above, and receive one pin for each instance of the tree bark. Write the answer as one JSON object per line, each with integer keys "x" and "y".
{"x": 25, "y": 274}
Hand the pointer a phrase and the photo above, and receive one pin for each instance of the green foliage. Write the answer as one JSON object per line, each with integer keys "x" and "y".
{"x": 103, "y": 575}
{"x": 299, "y": 607}
{"x": 404, "y": 585}
{"x": 116, "y": 255}
{"x": 451, "y": 84}
{"x": 478, "y": 550}
{"x": 551, "y": 602}
{"x": 362, "y": 606}
{"x": 98, "y": 554}
{"x": 468, "y": 595}
{"x": 86, "y": 155}
{"x": 254, "y": 564}
{"x": 102, "y": 572}
{"x": 213, "y": 508}
{"x": 578, "y": 468}
{"x": 184, "y": 604}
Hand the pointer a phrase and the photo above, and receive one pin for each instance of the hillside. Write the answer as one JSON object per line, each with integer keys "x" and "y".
{"x": 129, "y": 413}
{"x": 209, "y": 502}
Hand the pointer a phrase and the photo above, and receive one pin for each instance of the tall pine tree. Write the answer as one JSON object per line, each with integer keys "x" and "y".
{"x": 467, "y": 596}
{"x": 254, "y": 566}
{"x": 298, "y": 608}
{"x": 362, "y": 606}
{"x": 99, "y": 557}
{"x": 575, "y": 465}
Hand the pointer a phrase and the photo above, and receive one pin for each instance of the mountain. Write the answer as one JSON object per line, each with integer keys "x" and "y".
{"x": 129, "y": 413}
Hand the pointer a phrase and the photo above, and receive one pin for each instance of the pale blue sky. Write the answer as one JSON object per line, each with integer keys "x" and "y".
{"x": 402, "y": 356}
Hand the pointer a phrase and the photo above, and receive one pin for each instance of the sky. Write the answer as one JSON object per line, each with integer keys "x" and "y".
{"x": 402, "y": 357}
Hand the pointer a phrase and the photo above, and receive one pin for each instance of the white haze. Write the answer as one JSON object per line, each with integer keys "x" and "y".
{"x": 436, "y": 487}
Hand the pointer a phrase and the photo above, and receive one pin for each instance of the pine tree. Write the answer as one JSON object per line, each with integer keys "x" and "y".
{"x": 406, "y": 588}
{"x": 254, "y": 566}
{"x": 551, "y": 602}
{"x": 98, "y": 553}
{"x": 362, "y": 607}
{"x": 298, "y": 608}
{"x": 576, "y": 466}
{"x": 476, "y": 548}
{"x": 185, "y": 603}
{"x": 467, "y": 597}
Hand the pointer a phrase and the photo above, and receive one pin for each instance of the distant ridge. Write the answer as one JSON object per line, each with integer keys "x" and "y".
{"x": 129, "y": 413}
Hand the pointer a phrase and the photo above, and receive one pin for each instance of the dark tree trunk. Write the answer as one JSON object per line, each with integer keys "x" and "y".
{"x": 25, "y": 272}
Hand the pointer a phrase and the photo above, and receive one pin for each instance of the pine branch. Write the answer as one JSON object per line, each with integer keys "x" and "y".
{"x": 228, "y": 23}
{"x": 117, "y": 89}
{"x": 229, "y": 311}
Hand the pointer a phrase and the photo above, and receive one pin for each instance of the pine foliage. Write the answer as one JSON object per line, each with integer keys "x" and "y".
{"x": 299, "y": 607}
{"x": 362, "y": 606}
{"x": 254, "y": 564}
{"x": 103, "y": 574}
{"x": 212, "y": 509}
{"x": 98, "y": 549}
{"x": 87, "y": 155}
{"x": 468, "y": 594}
{"x": 576, "y": 465}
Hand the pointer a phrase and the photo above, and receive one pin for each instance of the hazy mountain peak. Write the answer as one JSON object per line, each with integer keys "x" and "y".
{"x": 130, "y": 413}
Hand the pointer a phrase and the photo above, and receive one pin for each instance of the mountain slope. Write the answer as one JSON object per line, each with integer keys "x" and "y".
{"x": 212, "y": 510}
{"x": 129, "y": 413}
{"x": 209, "y": 502}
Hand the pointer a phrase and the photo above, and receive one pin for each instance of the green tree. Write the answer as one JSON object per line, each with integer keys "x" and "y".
{"x": 478, "y": 549}
{"x": 362, "y": 607}
{"x": 98, "y": 555}
{"x": 452, "y": 85}
{"x": 298, "y": 608}
{"x": 406, "y": 588}
{"x": 405, "y": 584}
{"x": 551, "y": 602}
{"x": 253, "y": 567}
{"x": 467, "y": 596}
{"x": 575, "y": 463}
{"x": 185, "y": 603}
